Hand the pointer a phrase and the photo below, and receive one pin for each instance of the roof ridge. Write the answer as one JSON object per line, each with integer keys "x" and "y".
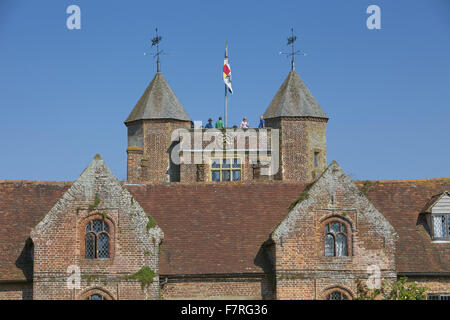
{"x": 404, "y": 180}
{"x": 35, "y": 181}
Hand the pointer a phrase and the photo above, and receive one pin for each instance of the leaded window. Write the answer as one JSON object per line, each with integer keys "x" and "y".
{"x": 335, "y": 238}
{"x": 95, "y": 296}
{"x": 337, "y": 295}
{"x": 226, "y": 169}
{"x": 97, "y": 240}
{"x": 441, "y": 226}
{"x": 443, "y": 297}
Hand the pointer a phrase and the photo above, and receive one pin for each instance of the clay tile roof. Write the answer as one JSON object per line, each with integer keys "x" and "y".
{"x": 215, "y": 228}
{"x": 219, "y": 228}
{"x": 158, "y": 102}
{"x": 293, "y": 99}
{"x": 401, "y": 202}
{"x": 22, "y": 205}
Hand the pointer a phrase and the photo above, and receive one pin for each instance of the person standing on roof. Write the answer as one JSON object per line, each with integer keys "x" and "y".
{"x": 219, "y": 123}
{"x": 262, "y": 122}
{"x": 244, "y": 123}
{"x": 209, "y": 124}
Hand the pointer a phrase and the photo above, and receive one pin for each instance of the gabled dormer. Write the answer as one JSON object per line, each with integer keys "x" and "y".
{"x": 437, "y": 215}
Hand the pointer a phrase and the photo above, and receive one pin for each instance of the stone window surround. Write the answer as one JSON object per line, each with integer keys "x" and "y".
{"x": 349, "y": 229}
{"x": 340, "y": 289}
{"x": 82, "y": 234}
{"x": 100, "y": 291}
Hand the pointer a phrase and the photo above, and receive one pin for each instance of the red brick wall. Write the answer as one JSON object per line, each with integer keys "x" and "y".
{"x": 299, "y": 139}
{"x": 220, "y": 288}
{"x": 438, "y": 285}
{"x": 154, "y": 162}
{"x": 59, "y": 241}
{"x": 241, "y": 139}
{"x": 16, "y": 291}
{"x": 303, "y": 270}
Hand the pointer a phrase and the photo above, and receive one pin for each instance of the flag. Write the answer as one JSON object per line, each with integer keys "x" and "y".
{"x": 227, "y": 71}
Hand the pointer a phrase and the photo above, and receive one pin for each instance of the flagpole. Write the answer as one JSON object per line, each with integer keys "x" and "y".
{"x": 225, "y": 116}
{"x": 226, "y": 89}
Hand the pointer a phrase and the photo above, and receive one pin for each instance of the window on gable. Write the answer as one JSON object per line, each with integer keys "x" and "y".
{"x": 335, "y": 239}
{"x": 441, "y": 226}
{"x": 97, "y": 240}
{"x": 226, "y": 169}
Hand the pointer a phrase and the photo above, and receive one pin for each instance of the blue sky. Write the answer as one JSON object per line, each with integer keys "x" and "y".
{"x": 64, "y": 94}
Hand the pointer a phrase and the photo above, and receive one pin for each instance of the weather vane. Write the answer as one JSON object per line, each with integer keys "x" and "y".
{"x": 293, "y": 53}
{"x": 155, "y": 42}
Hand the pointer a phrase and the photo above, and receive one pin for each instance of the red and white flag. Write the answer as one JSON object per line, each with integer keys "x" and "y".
{"x": 227, "y": 71}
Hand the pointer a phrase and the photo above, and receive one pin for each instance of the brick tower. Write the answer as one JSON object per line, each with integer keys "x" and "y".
{"x": 150, "y": 125}
{"x": 302, "y": 123}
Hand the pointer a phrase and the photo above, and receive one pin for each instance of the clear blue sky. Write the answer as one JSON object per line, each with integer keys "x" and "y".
{"x": 64, "y": 94}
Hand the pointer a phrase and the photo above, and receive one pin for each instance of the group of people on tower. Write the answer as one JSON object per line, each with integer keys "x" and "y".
{"x": 244, "y": 124}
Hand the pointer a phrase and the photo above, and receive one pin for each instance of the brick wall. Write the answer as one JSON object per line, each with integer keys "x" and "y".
{"x": 196, "y": 166}
{"x": 59, "y": 241}
{"x": 218, "y": 288}
{"x": 299, "y": 139}
{"x": 151, "y": 161}
{"x": 302, "y": 269}
{"x": 16, "y": 291}
{"x": 439, "y": 285}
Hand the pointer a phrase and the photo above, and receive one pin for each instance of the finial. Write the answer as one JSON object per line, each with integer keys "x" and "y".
{"x": 155, "y": 42}
{"x": 293, "y": 53}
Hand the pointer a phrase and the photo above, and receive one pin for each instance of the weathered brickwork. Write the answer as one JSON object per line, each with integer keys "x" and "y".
{"x": 252, "y": 147}
{"x": 16, "y": 291}
{"x": 300, "y": 138}
{"x": 234, "y": 240}
{"x": 151, "y": 161}
{"x": 59, "y": 241}
{"x": 219, "y": 288}
{"x": 300, "y": 245}
{"x": 438, "y": 285}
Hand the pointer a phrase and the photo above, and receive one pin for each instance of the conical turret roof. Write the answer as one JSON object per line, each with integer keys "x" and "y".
{"x": 158, "y": 102}
{"x": 293, "y": 99}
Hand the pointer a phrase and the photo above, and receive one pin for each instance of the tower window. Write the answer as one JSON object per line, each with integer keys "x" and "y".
{"x": 97, "y": 240}
{"x": 226, "y": 169}
{"x": 316, "y": 159}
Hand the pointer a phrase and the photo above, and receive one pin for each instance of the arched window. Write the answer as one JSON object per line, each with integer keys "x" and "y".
{"x": 335, "y": 238}
{"x": 97, "y": 239}
{"x": 337, "y": 295}
{"x": 95, "y": 296}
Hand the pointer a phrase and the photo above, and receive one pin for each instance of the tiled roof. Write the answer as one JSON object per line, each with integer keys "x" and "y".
{"x": 215, "y": 228}
{"x": 219, "y": 228}
{"x": 293, "y": 99}
{"x": 22, "y": 205}
{"x": 402, "y": 202}
{"x": 158, "y": 102}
